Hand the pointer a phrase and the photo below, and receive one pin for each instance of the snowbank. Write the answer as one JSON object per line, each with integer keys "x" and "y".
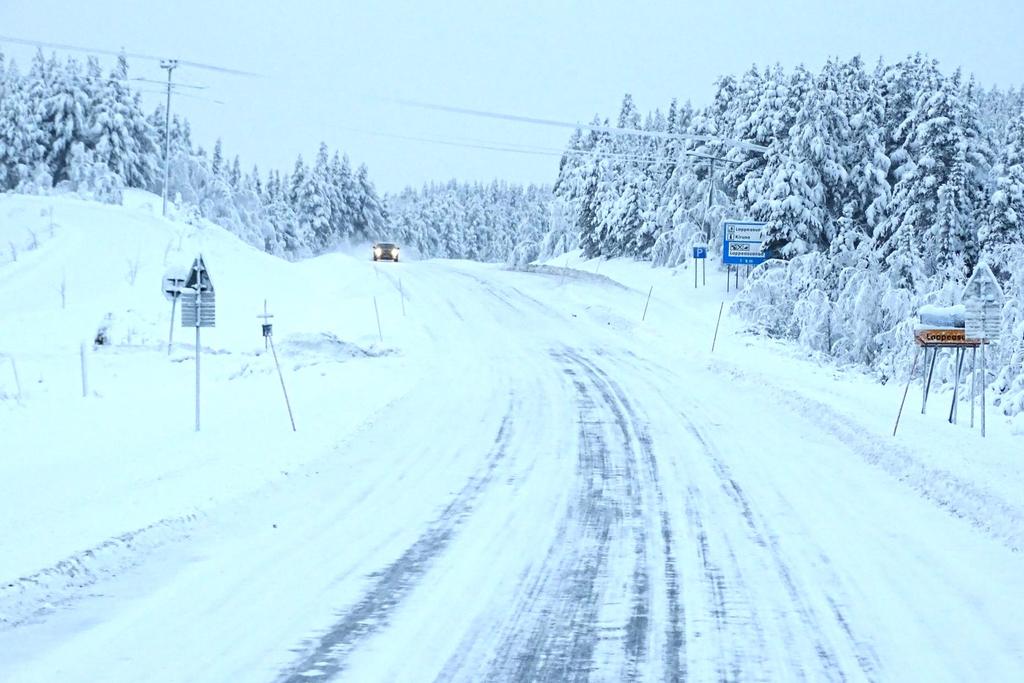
{"x": 76, "y": 509}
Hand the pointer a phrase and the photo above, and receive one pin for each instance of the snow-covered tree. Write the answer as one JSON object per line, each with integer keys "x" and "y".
{"x": 123, "y": 138}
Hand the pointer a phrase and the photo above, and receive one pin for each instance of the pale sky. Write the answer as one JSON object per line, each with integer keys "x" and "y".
{"x": 330, "y": 67}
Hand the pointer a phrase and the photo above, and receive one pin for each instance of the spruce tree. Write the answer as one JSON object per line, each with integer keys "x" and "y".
{"x": 1004, "y": 224}
{"x": 66, "y": 115}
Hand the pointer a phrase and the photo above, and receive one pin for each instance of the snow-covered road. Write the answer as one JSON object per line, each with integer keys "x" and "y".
{"x": 556, "y": 497}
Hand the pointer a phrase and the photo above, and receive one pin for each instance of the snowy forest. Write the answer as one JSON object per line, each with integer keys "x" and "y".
{"x": 483, "y": 222}
{"x": 882, "y": 187}
{"x": 69, "y": 127}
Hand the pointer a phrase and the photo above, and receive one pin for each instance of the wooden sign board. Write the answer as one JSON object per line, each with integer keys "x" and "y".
{"x": 945, "y": 337}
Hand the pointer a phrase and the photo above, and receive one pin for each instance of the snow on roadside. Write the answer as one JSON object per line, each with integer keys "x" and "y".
{"x": 92, "y": 484}
{"x": 950, "y": 465}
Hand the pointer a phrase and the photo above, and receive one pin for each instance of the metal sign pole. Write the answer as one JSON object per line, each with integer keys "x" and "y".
{"x": 199, "y": 309}
{"x": 984, "y": 381}
{"x": 170, "y": 335}
{"x": 927, "y": 388}
{"x": 974, "y": 381}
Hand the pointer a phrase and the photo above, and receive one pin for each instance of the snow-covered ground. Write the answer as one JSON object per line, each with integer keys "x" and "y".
{"x": 522, "y": 481}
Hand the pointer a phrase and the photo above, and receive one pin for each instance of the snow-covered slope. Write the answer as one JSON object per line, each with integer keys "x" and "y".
{"x": 78, "y": 473}
{"x": 527, "y": 479}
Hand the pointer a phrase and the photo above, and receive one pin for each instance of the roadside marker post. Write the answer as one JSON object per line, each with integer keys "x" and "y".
{"x": 401, "y": 294}
{"x": 268, "y": 339}
{"x": 14, "y": 371}
{"x": 715, "y": 340}
{"x": 647, "y": 303}
{"x": 85, "y": 372}
{"x": 913, "y": 366}
{"x": 376, "y": 312}
{"x": 198, "y": 310}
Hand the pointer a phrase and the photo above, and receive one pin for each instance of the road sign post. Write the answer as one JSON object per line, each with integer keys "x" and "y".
{"x": 198, "y": 309}
{"x": 742, "y": 245}
{"x": 983, "y": 299}
{"x": 173, "y": 282}
{"x": 700, "y": 253}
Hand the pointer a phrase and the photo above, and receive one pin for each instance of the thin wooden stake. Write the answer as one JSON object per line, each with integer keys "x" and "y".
{"x": 910, "y": 379}
{"x": 85, "y": 373}
{"x": 280, "y": 376}
{"x": 376, "y": 312}
{"x": 715, "y": 340}
{"x": 648, "y": 303}
{"x": 14, "y": 369}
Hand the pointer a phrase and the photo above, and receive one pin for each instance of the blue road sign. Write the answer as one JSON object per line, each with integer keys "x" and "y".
{"x": 700, "y": 252}
{"x": 743, "y": 243}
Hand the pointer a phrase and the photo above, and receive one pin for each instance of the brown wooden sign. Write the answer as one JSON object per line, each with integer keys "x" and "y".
{"x": 945, "y": 337}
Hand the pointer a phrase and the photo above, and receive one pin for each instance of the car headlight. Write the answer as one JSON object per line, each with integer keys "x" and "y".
{"x": 376, "y": 250}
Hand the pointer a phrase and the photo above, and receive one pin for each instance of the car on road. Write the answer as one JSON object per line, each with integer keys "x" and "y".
{"x": 385, "y": 251}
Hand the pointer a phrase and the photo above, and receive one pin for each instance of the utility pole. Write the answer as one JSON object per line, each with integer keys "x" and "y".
{"x": 711, "y": 186}
{"x": 170, "y": 65}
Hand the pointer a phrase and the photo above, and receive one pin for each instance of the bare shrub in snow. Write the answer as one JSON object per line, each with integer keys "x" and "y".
{"x": 523, "y": 255}
{"x": 133, "y": 270}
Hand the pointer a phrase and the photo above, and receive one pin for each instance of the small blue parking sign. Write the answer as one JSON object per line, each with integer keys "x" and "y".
{"x": 700, "y": 251}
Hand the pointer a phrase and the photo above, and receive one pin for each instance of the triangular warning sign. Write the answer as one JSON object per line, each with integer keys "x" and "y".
{"x": 199, "y": 275}
{"x": 983, "y": 286}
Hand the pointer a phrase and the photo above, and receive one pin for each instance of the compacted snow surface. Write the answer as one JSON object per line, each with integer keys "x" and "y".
{"x": 522, "y": 481}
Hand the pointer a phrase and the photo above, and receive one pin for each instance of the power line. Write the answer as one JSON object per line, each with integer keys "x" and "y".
{"x": 749, "y": 146}
{"x": 169, "y": 64}
{"x": 118, "y": 53}
{"x": 190, "y": 86}
{"x": 154, "y": 91}
{"x": 510, "y": 147}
